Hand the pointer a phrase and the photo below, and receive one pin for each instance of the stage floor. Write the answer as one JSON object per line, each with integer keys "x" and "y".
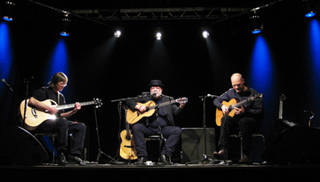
{"x": 174, "y": 172}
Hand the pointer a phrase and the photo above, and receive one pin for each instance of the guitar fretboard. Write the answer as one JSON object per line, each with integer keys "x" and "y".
{"x": 259, "y": 96}
{"x": 164, "y": 104}
{"x": 68, "y": 106}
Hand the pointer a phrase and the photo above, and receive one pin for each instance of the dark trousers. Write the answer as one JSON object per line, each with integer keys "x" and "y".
{"x": 246, "y": 126}
{"x": 63, "y": 127}
{"x": 171, "y": 133}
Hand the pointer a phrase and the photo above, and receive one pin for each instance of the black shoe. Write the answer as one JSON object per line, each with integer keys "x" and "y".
{"x": 223, "y": 153}
{"x": 62, "y": 160}
{"x": 245, "y": 160}
{"x": 76, "y": 160}
{"x": 164, "y": 160}
{"x": 141, "y": 160}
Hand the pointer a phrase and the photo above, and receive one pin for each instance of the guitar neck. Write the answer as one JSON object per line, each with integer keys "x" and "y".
{"x": 163, "y": 104}
{"x": 68, "y": 106}
{"x": 239, "y": 103}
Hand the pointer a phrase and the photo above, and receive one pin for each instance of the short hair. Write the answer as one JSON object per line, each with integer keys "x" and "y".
{"x": 58, "y": 77}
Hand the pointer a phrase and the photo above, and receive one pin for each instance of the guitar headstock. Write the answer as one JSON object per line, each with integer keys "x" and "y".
{"x": 182, "y": 100}
{"x": 98, "y": 102}
{"x": 257, "y": 97}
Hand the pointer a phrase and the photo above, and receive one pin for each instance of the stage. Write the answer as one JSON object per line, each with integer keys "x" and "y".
{"x": 160, "y": 172}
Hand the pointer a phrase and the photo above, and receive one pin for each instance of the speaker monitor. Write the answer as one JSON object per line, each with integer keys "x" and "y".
{"x": 20, "y": 147}
{"x": 193, "y": 143}
{"x": 292, "y": 144}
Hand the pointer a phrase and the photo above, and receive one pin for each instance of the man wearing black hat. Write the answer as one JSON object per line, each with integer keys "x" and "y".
{"x": 162, "y": 122}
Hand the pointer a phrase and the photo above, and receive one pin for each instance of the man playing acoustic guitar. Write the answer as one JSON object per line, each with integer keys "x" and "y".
{"x": 161, "y": 122}
{"x": 60, "y": 125}
{"x": 245, "y": 118}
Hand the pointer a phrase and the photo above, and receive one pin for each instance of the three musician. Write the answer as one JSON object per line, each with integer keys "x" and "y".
{"x": 151, "y": 113}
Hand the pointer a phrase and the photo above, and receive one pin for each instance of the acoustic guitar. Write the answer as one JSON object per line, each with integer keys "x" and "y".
{"x": 127, "y": 146}
{"x": 134, "y": 116}
{"x": 35, "y": 117}
{"x": 232, "y": 104}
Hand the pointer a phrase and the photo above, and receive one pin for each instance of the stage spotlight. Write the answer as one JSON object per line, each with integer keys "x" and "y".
{"x": 65, "y": 25}
{"x": 158, "y": 35}
{"x": 8, "y": 11}
{"x": 310, "y": 8}
{"x": 117, "y": 33}
{"x": 205, "y": 34}
{"x": 256, "y": 24}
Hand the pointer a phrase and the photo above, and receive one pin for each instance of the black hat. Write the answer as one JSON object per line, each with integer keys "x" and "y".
{"x": 156, "y": 83}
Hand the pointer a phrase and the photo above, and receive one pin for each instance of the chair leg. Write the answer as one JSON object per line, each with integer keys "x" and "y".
{"x": 53, "y": 145}
{"x": 241, "y": 148}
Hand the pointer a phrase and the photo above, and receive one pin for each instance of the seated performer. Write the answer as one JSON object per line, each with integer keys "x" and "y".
{"x": 60, "y": 125}
{"x": 247, "y": 117}
{"x": 162, "y": 123}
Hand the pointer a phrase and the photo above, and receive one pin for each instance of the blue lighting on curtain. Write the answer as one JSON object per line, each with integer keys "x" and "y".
{"x": 314, "y": 62}
{"x": 262, "y": 78}
{"x": 59, "y": 60}
{"x": 314, "y": 48}
{"x": 59, "y": 63}
{"x": 5, "y": 52}
{"x": 261, "y": 66}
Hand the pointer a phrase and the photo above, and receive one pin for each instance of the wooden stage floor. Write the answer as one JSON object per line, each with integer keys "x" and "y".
{"x": 174, "y": 172}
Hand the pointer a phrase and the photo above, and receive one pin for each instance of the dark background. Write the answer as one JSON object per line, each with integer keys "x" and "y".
{"x": 101, "y": 66}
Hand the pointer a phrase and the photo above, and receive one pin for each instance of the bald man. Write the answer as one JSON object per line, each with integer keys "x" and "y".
{"x": 247, "y": 117}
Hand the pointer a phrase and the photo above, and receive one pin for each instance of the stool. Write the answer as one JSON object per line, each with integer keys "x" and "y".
{"x": 157, "y": 137}
{"x": 52, "y": 135}
{"x": 238, "y": 135}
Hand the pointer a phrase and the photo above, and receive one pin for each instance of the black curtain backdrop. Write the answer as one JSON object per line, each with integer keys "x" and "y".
{"x": 101, "y": 66}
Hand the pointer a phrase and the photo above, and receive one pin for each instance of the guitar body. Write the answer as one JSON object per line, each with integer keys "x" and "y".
{"x": 135, "y": 116}
{"x": 127, "y": 147}
{"x": 219, "y": 113}
{"x": 35, "y": 117}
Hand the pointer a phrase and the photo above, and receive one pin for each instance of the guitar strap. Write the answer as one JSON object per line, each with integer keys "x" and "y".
{"x": 58, "y": 98}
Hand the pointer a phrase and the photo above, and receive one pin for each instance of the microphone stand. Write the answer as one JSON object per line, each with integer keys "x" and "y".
{"x": 205, "y": 158}
{"x": 100, "y": 152}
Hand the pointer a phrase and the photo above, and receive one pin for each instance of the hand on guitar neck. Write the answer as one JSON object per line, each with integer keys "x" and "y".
{"x": 237, "y": 111}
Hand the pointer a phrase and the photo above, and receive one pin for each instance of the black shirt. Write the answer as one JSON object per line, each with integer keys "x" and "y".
{"x": 161, "y": 117}
{"x": 45, "y": 93}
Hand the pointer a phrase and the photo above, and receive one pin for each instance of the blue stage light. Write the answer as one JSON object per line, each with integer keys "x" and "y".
{"x": 64, "y": 34}
{"x": 310, "y": 14}
{"x": 7, "y": 18}
{"x": 256, "y": 31}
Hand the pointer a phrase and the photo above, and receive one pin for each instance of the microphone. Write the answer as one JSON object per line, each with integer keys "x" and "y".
{"x": 7, "y": 85}
{"x": 154, "y": 93}
{"x": 212, "y": 96}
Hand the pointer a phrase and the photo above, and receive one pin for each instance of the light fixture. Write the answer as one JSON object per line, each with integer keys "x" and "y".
{"x": 158, "y": 35}
{"x": 256, "y": 24}
{"x": 205, "y": 34}
{"x": 8, "y": 12}
{"x": 65, "y": 24}
{"x": 310, "y": 8}
{"x": 117, "y": 33}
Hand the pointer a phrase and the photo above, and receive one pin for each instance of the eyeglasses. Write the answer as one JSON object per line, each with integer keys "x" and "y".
{"x": 63, "y": 84}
